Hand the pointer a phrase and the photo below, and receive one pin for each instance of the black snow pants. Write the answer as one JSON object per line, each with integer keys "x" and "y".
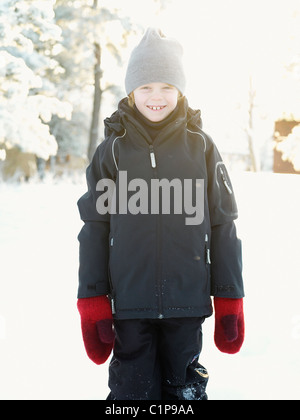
{"x": 157, "y": 360}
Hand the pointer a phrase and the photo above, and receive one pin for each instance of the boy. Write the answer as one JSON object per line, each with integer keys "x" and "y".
{"x": 159, "y": 257}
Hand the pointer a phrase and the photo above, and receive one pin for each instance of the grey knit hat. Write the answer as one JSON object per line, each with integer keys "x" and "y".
{"x": 155, "y": 59}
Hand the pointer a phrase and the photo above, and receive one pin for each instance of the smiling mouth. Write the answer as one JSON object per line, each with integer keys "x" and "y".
{"x": 156, "y": 108}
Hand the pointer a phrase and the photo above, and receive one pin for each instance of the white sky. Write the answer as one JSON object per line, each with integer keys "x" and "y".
{"x": 228, "y": 39}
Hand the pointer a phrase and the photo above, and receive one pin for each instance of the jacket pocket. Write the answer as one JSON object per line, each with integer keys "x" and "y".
{"x": 226, "y": 199}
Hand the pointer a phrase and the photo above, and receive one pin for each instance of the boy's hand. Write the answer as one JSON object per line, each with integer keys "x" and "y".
{"x": 97, "y": 327}
{"x": 229, "y": 324}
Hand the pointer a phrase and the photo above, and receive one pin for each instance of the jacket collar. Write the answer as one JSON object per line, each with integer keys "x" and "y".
{"x": 125, "y": 116}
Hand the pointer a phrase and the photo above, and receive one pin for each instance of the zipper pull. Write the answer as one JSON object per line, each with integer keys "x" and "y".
{"x": 207, "y": 250}
{"x": 152, "y": 157}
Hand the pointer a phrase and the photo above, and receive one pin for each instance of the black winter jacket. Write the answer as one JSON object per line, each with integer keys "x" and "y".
{"x": 157, "y": 265}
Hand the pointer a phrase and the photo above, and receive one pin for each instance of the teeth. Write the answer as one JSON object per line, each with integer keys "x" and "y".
{"x": 156, "y": 108}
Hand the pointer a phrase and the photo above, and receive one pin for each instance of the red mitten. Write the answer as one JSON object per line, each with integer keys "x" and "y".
{"x": 96, "y": 326}
{"x": 229, "y": 324}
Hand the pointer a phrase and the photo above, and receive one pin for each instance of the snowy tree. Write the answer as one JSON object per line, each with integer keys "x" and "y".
{"x": 28, "y": 38}
{"x": 93, "y": 39}
{"x": 47, "y": 81}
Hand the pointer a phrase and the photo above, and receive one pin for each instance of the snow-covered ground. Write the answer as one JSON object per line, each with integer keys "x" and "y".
{"x": 41, "y": 351}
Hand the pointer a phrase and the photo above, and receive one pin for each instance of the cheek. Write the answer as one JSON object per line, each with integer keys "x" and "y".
{"x": 140, "y": 98}
{"x": 173, "y": 102}
{"x": 137, "y": 101}
{"x": 139, "y": 105}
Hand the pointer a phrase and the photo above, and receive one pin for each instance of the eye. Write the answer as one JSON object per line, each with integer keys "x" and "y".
{"x": 169, "y": 88}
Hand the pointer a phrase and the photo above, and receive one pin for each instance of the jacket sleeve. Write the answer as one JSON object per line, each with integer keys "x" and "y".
{"x": 94, "y": 235}
{"x": 225, "y": 247}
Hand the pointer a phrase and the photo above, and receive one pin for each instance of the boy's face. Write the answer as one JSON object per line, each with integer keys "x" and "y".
{"x": 156, "y": 100}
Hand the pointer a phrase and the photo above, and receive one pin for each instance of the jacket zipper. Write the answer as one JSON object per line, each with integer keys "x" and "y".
{"x": 111, "y": 295}
{"x": 158, "y": 242}
{"x": 207, "y": 251}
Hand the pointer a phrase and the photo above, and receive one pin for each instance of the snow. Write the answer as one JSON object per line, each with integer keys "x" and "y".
{"x": 41, "y": 351}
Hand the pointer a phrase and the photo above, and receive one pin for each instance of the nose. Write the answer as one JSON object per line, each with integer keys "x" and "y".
{"x": 156, "y": 95}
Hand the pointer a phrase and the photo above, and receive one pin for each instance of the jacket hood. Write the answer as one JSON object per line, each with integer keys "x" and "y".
{"x": 113, "y": 124}
{"x": 194, "y": 118}
{"x": 117, "y": 121}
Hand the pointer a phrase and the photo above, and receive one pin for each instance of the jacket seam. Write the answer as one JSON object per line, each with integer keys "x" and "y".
{"x": 199, "y": 134}
{"x": 113, "y": 148}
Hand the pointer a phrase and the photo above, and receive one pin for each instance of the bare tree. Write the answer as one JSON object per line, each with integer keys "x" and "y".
{"x": 97, "y": 102}
{"x": 250, "y": 127}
